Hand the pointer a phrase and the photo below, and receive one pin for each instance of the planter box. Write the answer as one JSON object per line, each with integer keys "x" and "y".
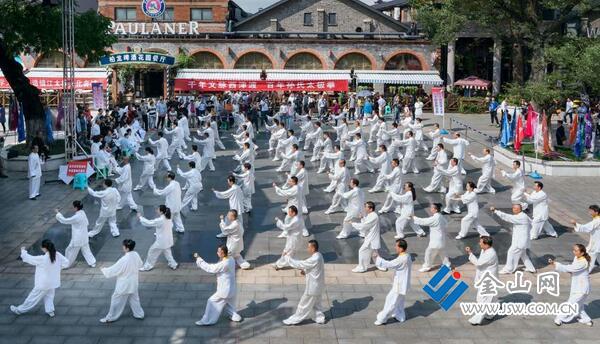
{"x": 549, "y": 168}
{"x": 19, "y": 164}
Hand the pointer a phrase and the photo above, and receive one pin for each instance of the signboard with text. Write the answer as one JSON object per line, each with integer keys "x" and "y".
{"x": 122, "y": 58}
{"x": 182, "y": 85}
{"x": 437, "y": 100}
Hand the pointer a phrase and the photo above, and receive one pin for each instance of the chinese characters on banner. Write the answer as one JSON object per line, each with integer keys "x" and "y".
{"x": 57, "y": 83}
{"x": 76, "y": 166}
{"x": 98, "y": 95}
{"x": 137, "y": 58}
{"x": 260, "y": 85}
{"x": 437, "y": 100}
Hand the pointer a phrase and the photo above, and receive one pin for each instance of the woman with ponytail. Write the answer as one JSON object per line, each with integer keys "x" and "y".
{"x": 406, "y": 202}
{"x": 164, "y": 238}
{"x": 47, "y": 278}
{"x": 580, "y": 285}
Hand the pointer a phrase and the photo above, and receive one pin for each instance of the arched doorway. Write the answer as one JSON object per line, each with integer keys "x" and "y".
{"x": 354, "y": 60}
{"x": 206, "y": 60}
{"x": 53, "y": 59}
{"x": 403, "y": 61}
{"x": 303, "y": 60}
{"x": 253, "y": 60}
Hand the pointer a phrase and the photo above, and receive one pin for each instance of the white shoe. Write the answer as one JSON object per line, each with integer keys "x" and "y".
{"x": 362, "y": 235}
{"x": 245, "y": 266}
{"x": 358, "y": 270}
{"x": 287, "y": 322}
{"x": 144, "y": 268}
{"x": 236, "y": 318}
{"x": 424, "y": 269}
{"x": 173, "y": 267}
{"x": 531, "y": 271}
{"x": 305, "y": 233}
{"x": 105, "y": 320}
{"x": 381, "y": 269}
{"x": 14, "y": 310}
{"x": 221, "y": 235}
{"x": 504, "y": 272}
{"x": 51, "y": 314}
{"x": 340, "y": 236}
{"x": 377, "y": 323}
{"x": 282, "y": 235}
{"x": 557, "y": 322}
{"x": 401, "y": 236}
{"x": 422, "y": 235}
{"x": 200, "y": 323}
{"x": 458, "y": 237}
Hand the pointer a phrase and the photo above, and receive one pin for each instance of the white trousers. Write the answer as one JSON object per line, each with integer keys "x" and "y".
{"x": 127, "y": 198}
{"x": 461, "y": 168}
{"x": 512, "y": 259}
{"x": 538, "y": 225}
{"x": 469, "y": 222}
{"x": 362, "y": 165}
{"x": 316, "y": 152}
{"x": 401, "y": 223}
{"x": 326, "y": 163}
{"x": 206, "y": 162}
{"x": 118, "y": 303}
{"x": 144, "y": 179}
{"x": 165, "y": 163}
{"x": 72, "y": 251}
{"x": 308, "y": 306}
{"x": 218, "y": 143}
{"x": 112, "y": 222}
{"x": 272, "y": 144}
{"x": 436, "y": 182}
{"x": 336, "y": 203}
{"x": 582, "y": 315}
{"x": 154, "y": 252}
{"x": 477, "y": 319}
{"x": 364, "y": 256}
{"x": 516, "y": 197}
{"x": 409, "y": 163}
{"x": 191, "y": 196}
{"x": 452, "y": 204}
{"x": 347, "y": 228}
{"x": 393, "y": 307}
{"x": 177, "y": 223}
{"x": 432, "y": 253}
{"x": 34, "y": 186}
{"x": 484, "y": 184}
{"x": 380, "y": 183}
{"x": 594, "y": 256}
{"x": 34, "y": 297}
{"x": 215, "y": 305}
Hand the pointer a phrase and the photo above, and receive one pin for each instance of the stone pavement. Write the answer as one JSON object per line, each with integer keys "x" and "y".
{"x": 173, "y": 300}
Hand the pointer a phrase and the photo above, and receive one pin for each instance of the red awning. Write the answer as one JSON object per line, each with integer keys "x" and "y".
{"x": 473, "y": 82}
{"x": 52, "y": 78}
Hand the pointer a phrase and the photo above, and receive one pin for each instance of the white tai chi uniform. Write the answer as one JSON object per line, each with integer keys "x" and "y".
{"x": 540, "y": 222}
{"x": 394, "y": 181}
{"x": 518, "y": 188}
{"x": 437, "y": 239}
{"x": 362, "y": 163}
{"x": 208, "y": 153}
{"x": 172, "y": 193}
{"x": 580, "y": 289}
{"x": 224, "y": 298}
{"x": 292, "y": 227}
{"x": 310, "y": 302}
{"x": 406, "y": 204}
{"x": 459, "y": 148}
{"x": 329, "y": 159}
{"x": 177, "y": 142}
{"x": 469, "y": 199}
{"x": 162, "y": 147}
{"x": 394, "y": 301}
{"x": 441, "y": 160}
{"x": 234, "y": 231}
{"x": 196, "y": 158}
{"x": 109, "y": 200}
{"x": 354, "y": 200}
{"x": 408, "y": 161}
{"x": 436, "y": 137}
{"x": 519, "y": 243}
{"x": 593, "y": 248}
{"x": 294, "y": 196}
{"x": 235, "y": 195}
{"x": 487, "y": 262}
{"x": 147, "y": 171}
{"x": 455, "y": 186}
{"x": 339, "y": 184}
{"x": 34, "y": 172}
{"x": 162, "y": 244}
{"x": 484, "y": 183}
{"x": 125, "y": 184}
{"x": 79, "y": 237}
{"x": 246, "y": 179}
{"x": 384, "y": 161}
{"x": 369, "y": 225}
{"x": 47, "y": 279}
{"x": 313, "y": 137}
{"x": 417, "y": 129}
{"x": 194, "y": 182}
{"x": 126, "y": 270}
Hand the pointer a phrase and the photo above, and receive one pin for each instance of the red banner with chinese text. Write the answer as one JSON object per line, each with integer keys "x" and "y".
{"x": 183, "y": 85}
{"x": 77, "y": 166}
{"x": 57, "y": 83}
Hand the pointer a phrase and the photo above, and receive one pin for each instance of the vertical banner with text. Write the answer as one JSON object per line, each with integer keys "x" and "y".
{"x": 437, "y": 100}
{"x": 98, "y": 95}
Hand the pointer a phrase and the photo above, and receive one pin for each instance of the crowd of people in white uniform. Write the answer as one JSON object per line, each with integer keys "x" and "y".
{"x": 397, "y": 146}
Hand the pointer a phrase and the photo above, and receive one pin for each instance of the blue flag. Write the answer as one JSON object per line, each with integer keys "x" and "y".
{"x": 21, "y": 125}
{"x": 505, "y": 136}
{"x": 49, "y": 133}
{"x": 513, "y": 125}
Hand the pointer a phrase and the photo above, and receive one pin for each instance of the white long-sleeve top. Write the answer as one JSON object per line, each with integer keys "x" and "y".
{"x": 441, "y": 158}
{"x": 208, "y": 144}
{"x": 317, "y": 133}
{"x": 293, "y": 196}
{"x": 394, "y": 177}
{"x": 438, "y": 226}
{"x": 302, "y": 176}
{"x": 235, "y": 195}
{"x": 126, "y": 270}
{"x": 436, "y": 137}
{"x": 370, "y": 226}
{"x": 178, "y": 134}
{"x": 247, "y": 181}
{"x": 592, "y": 227}
{"x": 149, "y": 162}
{"x": 193, "y": 177}
{"x": 124, "y": 179}
{"x": 410, "y": 144}
{"x": 35, "y": 165}
{"x": 521, "y": 227}
{"x": 459, "y": 146}
{"x": 355, "y": 199}
{"x": 79, "y": 227}
{"x": 163, "y": 228}
{"x": 539, "y": 200}
{"x": 225, "y": 271}
{"x": 314, "y": 271}
{"x": 487, "y": 169}
{"x": 162, "y": 146}
{"x": 516, "y": 177}
{"x": 401, "y": 266}
{"x": 405, "y": 201}
{"x": 235, "y": 235}
{"x": 469, "y": 199}
{"x": 580, "y": 276}
{"x": 417, "y": 129}
{"x": 109, "y": 200}
{"x": 452, "y": 172}
{"x": 195, "y": 157}
{"x": 47, "y": 274}
{"x": 384, "y": 161}
{"x": 172, "y": 193}
{"x": 486, "y": 262}
{"x": 341, "y": 177}
{"x": 361, "y": 149}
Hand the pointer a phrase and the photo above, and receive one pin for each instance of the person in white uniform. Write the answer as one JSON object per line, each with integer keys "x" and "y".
{"x": 328, "y": 160}
{"x": 540, "y": 221}
{"x": 484, "y": 183}
{"x": 196, "y": 157}
{"x": 438, "y": 227}
{"x": 369, "y": 225}
{"x": 417, "y": 129}
{"x": 149, "y": 161}
{"x": 339, "y": 184}
{"x": 486, "y": 263}
{"x": 518, "y": 187}
{"x": 471, "y": 220}
{"x": 436, "y": 137}
{"x": 310, "y": 303}
{"x": 293, "y": 194}
{"x": 208, "y": 154}
{"x": 441, "y": 159}
{"x": 580, "y": 285}
{"x": 224, "y": 298}
{"x": 79, "y": 235}
{"x": 384, "y": 161}
{"x": 126, "y": 271}
{"x": 291, "y": 227}
{"x": 362, "y": 163}
{"x": 163, "y": 227}
{"x": 47, "y": 278}
{"x": 592, "y": 227}
{"x": 289, "y": 160}
{"x": 125, "y": 183}
{"x": 455, "y": 186}
{"x": 355, "y": 210}
{"x": 521, "y": 227}
{"x": 233, "y": 230}
{"x": 394, "y": 301}
{"x": 162, "y": 147}
{"x": 109, "y": 201}
{"x": 34, "y": 172}
{"x": 394, "y": 182}
{"x": 234, "y": 194}
{"x": 193, "y": 178}
{"x": 178, "y": 140}
{"x": 408, "y": 161}
{"x": 459, "y": 148}
{"x": 246, "y": 177}
{"x": 406, "y": 202}
{"x": 314, "y": 136}
{"x": 172, "y": 193}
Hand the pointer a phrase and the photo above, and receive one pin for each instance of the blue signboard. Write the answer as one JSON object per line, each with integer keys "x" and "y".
{"x": 124, "y": 58}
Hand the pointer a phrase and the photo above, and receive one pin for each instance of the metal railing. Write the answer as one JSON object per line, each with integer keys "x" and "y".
{"x": 475, "y": 134}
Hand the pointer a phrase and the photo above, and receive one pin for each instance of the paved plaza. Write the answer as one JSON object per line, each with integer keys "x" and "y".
{"x": 174, "y": 300}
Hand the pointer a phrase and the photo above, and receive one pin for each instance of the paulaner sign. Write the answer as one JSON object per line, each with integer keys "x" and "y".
{"x": 166, "y": 28}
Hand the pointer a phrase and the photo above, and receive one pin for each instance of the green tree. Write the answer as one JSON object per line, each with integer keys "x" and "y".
{"x": 32, "y": 28}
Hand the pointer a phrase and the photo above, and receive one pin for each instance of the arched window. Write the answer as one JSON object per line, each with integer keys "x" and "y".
{"x": 53, "y": 59}
{"x": 206, "y": 60}
{"x": 354, "y": 60}
{"x": 253, "y": 60}
{"x": 303, "y": 61}
{"x": 404, "y": 61}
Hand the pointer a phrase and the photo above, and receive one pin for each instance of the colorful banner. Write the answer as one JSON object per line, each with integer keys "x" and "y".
{"x": 121, "y": 58}
{"x": 183, "y": 85}
{"x": 4, "y": 84}
{"x": 76, "y": 166}
{"x": 57, "y": 83}
{"x": 98, "y": 95}
{"x": 437, "y": 100}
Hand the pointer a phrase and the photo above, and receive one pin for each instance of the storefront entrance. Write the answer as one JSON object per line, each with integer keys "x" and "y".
{"x": 149, "y": 83}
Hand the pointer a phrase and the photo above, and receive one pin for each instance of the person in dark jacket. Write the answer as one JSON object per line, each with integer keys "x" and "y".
{"x": 560, "y": 134}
